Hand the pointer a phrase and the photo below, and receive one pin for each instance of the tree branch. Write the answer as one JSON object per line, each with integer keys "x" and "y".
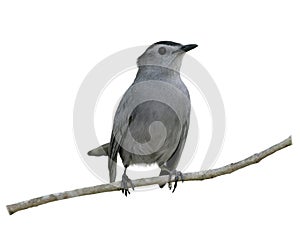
{"x": 201, "y": 175}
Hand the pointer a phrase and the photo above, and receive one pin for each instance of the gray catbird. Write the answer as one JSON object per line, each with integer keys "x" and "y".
{"x": 152, "y": 120}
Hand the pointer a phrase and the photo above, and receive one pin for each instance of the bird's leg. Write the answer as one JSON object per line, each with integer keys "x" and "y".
{"x": 124, "y": 183}
{"x": 177, "y": 174}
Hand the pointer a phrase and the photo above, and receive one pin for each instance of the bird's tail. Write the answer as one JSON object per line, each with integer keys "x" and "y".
{"x": 99, "y": 151}
{"x": 112, "y": 162}
{"x": 112, "y": 167}
{"x": 163, "y": 173}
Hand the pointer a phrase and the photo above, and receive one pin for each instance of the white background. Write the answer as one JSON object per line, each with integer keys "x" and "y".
{"x": 252, "y": 51}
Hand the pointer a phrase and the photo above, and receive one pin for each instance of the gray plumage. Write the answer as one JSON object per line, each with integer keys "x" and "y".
{"x": 152, "y": 120}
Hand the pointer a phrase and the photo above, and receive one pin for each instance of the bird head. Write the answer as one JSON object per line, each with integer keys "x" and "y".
{"x": 166, "y": 54}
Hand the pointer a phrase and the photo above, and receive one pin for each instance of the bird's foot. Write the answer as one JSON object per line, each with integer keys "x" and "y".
{"x": 124, "y": 184}
{"x": 177, "y": 174}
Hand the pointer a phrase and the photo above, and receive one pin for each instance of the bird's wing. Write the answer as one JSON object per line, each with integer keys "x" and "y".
{"x": 174, "y": 160}
{"x": 120, "y": 127}
{"x": 172, "y": 163}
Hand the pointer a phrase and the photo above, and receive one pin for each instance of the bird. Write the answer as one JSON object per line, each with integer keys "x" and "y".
{"x": 152, "y": 120}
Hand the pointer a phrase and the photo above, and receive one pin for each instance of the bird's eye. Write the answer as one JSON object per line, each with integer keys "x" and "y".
{"x": 162, "y": 50}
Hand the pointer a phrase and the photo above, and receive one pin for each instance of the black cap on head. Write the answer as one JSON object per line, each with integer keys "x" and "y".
{"x": 171, "y": 43}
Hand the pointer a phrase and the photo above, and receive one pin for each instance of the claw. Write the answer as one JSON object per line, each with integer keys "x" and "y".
{"x": 181, "y": 177}
{"x": 131, "y": 184}
{"x": 178, "y": 175}
{"x": 124, "y": 184}
{"x": 175, "y": 185}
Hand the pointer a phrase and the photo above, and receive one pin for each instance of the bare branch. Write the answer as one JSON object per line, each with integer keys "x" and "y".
{"x": 201, "y": 175}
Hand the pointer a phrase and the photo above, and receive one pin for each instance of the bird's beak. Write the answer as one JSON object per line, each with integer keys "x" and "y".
{"x": 185, "y": 48}
{"x": 188, "y": 47}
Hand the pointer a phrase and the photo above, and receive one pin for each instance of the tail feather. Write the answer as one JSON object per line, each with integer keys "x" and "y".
{"x": 100, "y": 151}
{"x": 112, "y": 167}
{"x": 163, "y": 173}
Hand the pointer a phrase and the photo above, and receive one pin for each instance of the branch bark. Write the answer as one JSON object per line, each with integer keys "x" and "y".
{"x": 201, "y": 175}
